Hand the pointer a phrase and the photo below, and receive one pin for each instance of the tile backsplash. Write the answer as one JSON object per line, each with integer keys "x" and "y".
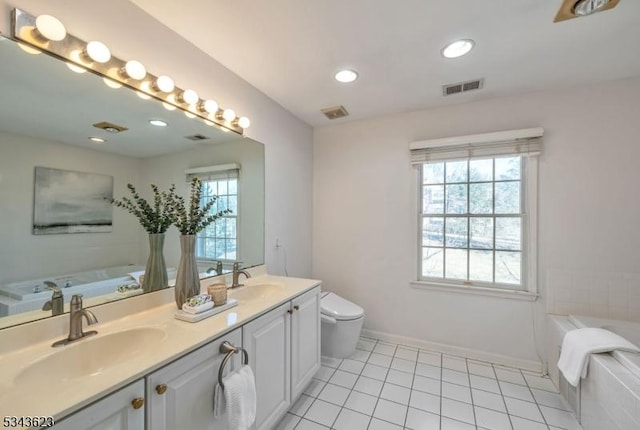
{"x": 599, "y": 294}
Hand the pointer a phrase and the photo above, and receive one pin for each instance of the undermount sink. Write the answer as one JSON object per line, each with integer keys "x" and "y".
{"x": 91, "y": 356}
{"x": 255, "y": 292}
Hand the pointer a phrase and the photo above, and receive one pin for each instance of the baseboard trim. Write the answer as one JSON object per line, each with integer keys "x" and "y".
{"x": 473, "y": 354}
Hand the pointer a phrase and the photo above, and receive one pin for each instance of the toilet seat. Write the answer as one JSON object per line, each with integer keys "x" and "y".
{"x": 340, "y": 309}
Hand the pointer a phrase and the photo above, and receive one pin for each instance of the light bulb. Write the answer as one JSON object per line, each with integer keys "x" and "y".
{"x": 244, "y": 122}
{"x": 50, "y": 28}
{"x": 189, "y": 114}
{"x": 111, "y": 83}
{"x": 458, "y": 48}
{"x": 134, "y": 70}
{"x": 97, "y": 139}
{"x": 142, "y": 95}
{"x": 209, "y": 123}
{"x": 157, "y": 122}
{"x": 190, "y": 97}
{"x": 229, "y": 115}
{"x": 98, "y": 51}
{"x": 168, "y": 106}
{"x": 28, "y": 49}
{"x": 75, "y": 68}
{"x": 208, "y": 106}
{"x": 346, "y": 76}
{"x": 164, "y": 84}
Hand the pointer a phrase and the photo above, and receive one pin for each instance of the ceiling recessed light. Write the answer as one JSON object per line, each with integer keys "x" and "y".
{"x": 97, "y": 139}
{"x": 458, "y": 48}
{"x": 157, "y": 123}
{"x": 346, "y": 76}
{"x": 587, "y": 7}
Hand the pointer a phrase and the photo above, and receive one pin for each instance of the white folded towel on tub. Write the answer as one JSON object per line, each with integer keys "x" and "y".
{"x": 237, "y": 401}
{"x": 578, "y": 345}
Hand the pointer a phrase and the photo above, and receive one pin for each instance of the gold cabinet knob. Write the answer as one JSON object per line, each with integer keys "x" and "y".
{"x": 137, "y": 403}
{"x": 161, "y": 389}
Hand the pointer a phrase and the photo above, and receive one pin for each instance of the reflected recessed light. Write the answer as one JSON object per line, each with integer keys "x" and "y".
{"x": 97, "y": 139}
{"x": 157, "y": 122}
{"x": 346, "y": 76}
{"x": 458, "y": 48}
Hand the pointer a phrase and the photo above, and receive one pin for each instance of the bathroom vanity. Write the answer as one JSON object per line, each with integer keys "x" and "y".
{"x": 150, "y": 370}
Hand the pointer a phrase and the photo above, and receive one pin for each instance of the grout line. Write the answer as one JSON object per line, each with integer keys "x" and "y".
{"x": 504, "y": 402}
{"x": 383, "y": 382}
{"x": 441, "y": 375}
{"x": 473, "y": 408}
{"x": 534, "y": 399}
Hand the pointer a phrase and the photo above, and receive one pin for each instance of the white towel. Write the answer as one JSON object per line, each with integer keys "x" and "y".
{"x": 237, "y": 402}
{"x": 578, "y": 345}
{"x": 197, "y": 309}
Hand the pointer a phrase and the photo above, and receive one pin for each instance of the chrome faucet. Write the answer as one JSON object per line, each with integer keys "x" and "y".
{"x": 56, "y": 304}
{"x": 76, "y": 312}
{"x": 236, "y": 275}
{"x": 217, "y": 269}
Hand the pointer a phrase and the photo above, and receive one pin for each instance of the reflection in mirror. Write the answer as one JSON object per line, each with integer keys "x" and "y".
{"x": 48, "y": 115}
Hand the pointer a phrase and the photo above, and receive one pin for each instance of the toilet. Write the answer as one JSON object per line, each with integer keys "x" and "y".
{"x": 341, "y": 325}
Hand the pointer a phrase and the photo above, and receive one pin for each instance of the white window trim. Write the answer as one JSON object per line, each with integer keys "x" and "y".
{"x": 530, "y": 220}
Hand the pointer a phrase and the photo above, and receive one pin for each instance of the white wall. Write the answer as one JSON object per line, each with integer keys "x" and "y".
{"x": 26, "y": 256}
{"x": 364, "y": 225}
{"x": 131, "y": 33}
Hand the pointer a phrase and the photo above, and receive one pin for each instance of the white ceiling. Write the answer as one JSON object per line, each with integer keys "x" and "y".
{"x": 290, "y": 49}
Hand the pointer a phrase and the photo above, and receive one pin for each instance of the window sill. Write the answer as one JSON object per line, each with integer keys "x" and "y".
{"x": 479, "y": 291}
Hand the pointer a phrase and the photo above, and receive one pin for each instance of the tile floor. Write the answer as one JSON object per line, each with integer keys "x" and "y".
{"x": 384, "y": 386}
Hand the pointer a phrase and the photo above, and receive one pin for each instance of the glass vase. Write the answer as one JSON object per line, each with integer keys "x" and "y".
{"x": 187, "y": 279}
{"x": 155, "y": 274}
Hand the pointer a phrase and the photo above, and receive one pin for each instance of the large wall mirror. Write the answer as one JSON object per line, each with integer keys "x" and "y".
{"x": 49, "y": 163}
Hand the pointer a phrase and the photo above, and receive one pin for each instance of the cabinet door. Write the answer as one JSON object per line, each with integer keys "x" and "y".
{"x": 180, "y": 395}
{"x": 305, "y": 340}
{"x": 267, "y": 339}
{"x": 122, "y": 410}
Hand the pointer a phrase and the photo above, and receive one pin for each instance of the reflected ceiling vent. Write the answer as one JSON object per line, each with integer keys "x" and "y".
{"x": 197, "y": 137}
{"x": 335, "y": 112}
{"x": 462, "y": 87}
{"x": 578, "y": 8}
{"x": 109, "y": 127}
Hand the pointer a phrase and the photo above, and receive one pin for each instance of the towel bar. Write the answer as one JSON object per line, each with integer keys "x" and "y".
{"x": 229, "y": 349}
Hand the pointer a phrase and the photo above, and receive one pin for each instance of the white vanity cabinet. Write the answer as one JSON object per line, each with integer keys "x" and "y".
{"x": 180, "y": 395}
{"x": 285, "y": 344}
{"x": 122, "y": 410}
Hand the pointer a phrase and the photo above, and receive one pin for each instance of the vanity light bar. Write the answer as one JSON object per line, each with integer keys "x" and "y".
{"x": 96, "y": 57}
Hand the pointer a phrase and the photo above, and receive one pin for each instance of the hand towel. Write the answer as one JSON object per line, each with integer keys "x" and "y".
{"x": 198, "y": 308}
{"x": 237, "y": 401}
{"x": 578, "y": 345}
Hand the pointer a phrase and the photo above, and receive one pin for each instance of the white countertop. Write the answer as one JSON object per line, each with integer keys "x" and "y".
{"x": 181, "y": 337}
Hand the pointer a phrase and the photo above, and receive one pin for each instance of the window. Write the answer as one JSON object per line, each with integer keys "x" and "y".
{"x": 219, "y": 241}
{"x": 477, "y": 214}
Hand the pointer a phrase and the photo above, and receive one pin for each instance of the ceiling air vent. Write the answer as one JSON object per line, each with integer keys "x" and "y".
{"x": 335, "y": 112}
{"x": 111, "y": 128}
{"x": 197, "y": 137}
{"x": 462, "y": 87}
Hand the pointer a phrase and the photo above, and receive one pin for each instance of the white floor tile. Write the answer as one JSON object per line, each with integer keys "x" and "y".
{"x": 488, "y": 400}
{"x": 301, "y": 406}
{"x": 289, "y": 422}
{"x": 344, "y": 379}
{"x": 310, "y": 425}
{"x": 322, "y": 412}
{"x": 431, "y": 358}
{"x": 458, "y": 411}
{"x": 375, "y": 372}
{"x": 539, "y": 382}
{"x": 324, "y": 373}
{"x": 428, "y": 385}
{"x": 425, "y": 401}
{"x": 522, "y": 424}
{"x": 350, "y": 420}
{"x": 492, "y": 420}
{"x": 314, "y": 388}
{"x": 509, "y": 375}
{"x": 369, "y": 386}
{"x": 455, "y": 377}
{"x": 485, "y": 384}
{"x": 421, "y": 420}
{"x": 385, "y": 348}
{"x": 456, "y": 392}
{"x": 351, "y": 366}
{"x": 454, "y": 363}
{"x": 395, "y": 393}
{"x": 558, "y": 418}
{"x": 330, "y": 362}
{"x": 523, "y": 409}
{"x": 366, "y": 344}
{"x": 481, "y": 369}
{"x": 361, "y": 402}
{"x": 400, "y": 378}
{"x": 429, "y": 371}
{"x": 547, "y": 398}
{"x": 334, "y": 394}
{"x": 360, "y": 355}
{"x": 517, "y": 391}
{"x": 380, "y": 359}
{"x": 377, "y": 424}
{"x": 391, "y": 412}
{"x": 407, "y": 354}
{"x": 449, "y": 424}
{"x": 403, "y": 365}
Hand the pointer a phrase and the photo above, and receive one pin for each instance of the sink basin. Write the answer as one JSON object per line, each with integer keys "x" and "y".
{"x": 91, "y": 356}
{"x": 255, "y": 292}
